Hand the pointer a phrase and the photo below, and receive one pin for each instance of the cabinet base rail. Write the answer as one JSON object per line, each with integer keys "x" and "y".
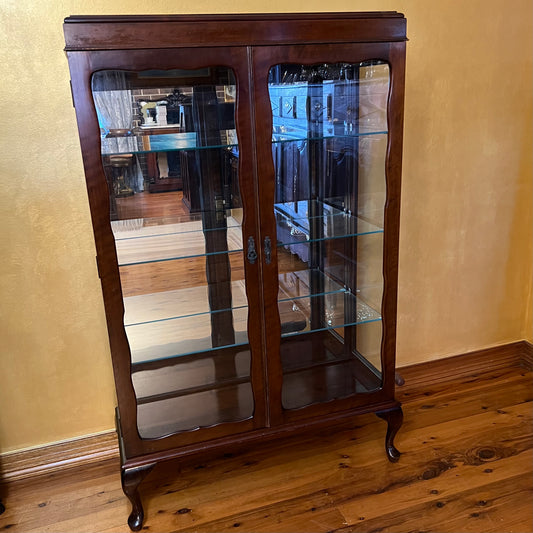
{"x": 135, "y": 469}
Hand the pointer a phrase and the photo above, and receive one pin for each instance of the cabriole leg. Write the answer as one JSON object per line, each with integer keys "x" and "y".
{"x": 394, "y": 419}
{"x": 131, "y": 478}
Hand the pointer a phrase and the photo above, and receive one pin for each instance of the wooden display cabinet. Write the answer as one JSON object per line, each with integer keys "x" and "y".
{"x": 269, "y": 308}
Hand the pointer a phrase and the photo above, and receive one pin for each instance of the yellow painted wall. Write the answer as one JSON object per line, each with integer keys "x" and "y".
{"x": 467, "y": 228}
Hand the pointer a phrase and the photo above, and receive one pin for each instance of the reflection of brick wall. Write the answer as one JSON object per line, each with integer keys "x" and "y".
{"x": 159, "y": 93}
{"x": 152, "y": 94}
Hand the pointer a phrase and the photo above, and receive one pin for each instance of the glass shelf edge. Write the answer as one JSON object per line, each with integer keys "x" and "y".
{"x": 339, "y": 290}
{"x": 177, "y": 233}
{"x": 335, "y": 237}
{"x": 135, "y": 263}
{"x": 375, "y": 229}
{"x": 227, "y": 147}
{"x": 240, "y": 250}
{"x": 329, "y": 328}
{"x": 222, "y": 384}
{"x": 232, "y": 147}
{"x": 190, "y": 315}
{"x": 298, "y": 138}
{"x": 135, "y": 364}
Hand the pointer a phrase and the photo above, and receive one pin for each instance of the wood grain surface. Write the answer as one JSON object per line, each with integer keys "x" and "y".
{"x": 466, "y": 466}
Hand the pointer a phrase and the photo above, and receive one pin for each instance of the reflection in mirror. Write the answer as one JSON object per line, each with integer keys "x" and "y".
{"x": 329, "y": 142}
{"x": 170, "y": 156}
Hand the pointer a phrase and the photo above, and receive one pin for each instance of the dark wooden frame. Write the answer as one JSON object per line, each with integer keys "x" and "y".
{"x": 250, "y": 45}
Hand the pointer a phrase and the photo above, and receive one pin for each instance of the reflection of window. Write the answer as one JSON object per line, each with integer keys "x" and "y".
{"x": 113, "y": 100}
{"x": 113, "y": 103}
{"x": 229, "y": 93}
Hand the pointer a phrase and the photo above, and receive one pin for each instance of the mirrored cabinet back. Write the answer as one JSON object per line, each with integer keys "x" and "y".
{"x": 243, "y": 175}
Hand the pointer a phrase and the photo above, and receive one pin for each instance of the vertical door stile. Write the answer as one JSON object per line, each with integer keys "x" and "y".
{"x": 250, "y": 185}
{"x": 259, "y": 67}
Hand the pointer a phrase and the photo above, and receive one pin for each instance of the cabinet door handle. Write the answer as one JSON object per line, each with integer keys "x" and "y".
{"x": 252, "y": 254}
{"x": 268, "y": 250}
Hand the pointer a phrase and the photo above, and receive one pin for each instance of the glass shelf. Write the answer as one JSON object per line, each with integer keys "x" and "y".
{"x": 194, "y": 411}
{"x": 188, "y": 375}
{"x": 174, "y": 324}
{"x": 296, "y": 285}
{"x": 177, "y": 142}
{"x": 177, "y": 304}
{"x": 295, "y": 135}
{"x": 177, "y": 337}
{"x": 193, "y": 302}
{"x": 164, "y": 142}
{"x": 168, "y": 242}
{"x": 341, "y": 309}
{"x": 175, "y": 245}
{"x": 173, "y": 338}
{"x": 141, "y": 228}
{"x": 294, "y": 220}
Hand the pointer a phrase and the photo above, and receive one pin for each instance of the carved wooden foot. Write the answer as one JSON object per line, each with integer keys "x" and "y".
{"x": 131, "y": 478}
{"x": 394, "y": 419}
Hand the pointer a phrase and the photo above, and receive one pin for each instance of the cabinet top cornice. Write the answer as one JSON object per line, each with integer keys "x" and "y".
{"x": 232, "y": 16}
{"x": 120, "y": 32}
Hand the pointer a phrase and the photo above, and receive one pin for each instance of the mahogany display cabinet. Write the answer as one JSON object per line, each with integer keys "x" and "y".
{"x": 260, "y": 301}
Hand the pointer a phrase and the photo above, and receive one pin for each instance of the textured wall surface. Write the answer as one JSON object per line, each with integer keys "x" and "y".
{"x": 467, "y": 228}
{"x": 466, "y": 238}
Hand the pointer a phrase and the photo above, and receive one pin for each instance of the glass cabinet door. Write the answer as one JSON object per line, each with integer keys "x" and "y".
{"x": 170, "y": 154}
{"x": 329, "y": 142}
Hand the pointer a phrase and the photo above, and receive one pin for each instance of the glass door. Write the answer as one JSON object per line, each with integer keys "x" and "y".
{"x": 170, "y": 152}
{"x": 329, "y": 150}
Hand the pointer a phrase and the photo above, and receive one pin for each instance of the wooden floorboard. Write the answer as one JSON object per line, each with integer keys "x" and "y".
{"x": 467, "y": 466}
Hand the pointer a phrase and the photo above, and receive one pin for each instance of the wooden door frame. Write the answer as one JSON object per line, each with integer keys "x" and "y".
{"x": 82, "y": 65}
{"x": 393, "y": 53}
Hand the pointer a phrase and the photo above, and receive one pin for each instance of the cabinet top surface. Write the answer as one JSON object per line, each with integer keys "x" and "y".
{"x": 115, "y": 32}
{"x": 231, "y": 16}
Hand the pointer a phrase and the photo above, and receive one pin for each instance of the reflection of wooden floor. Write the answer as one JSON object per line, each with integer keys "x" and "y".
{"x": 180, "y": 244}
{"x": 167, "y": 275}
{"x": 147, "y": 205}
{"x": 173, "y": 275}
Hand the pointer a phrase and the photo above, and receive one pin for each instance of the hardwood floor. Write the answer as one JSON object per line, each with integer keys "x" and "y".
{"x": 467, "y": 466}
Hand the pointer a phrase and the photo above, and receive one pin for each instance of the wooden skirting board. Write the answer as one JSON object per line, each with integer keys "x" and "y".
{"x": 58, "y": 456}
{"x": 92, "y": 449}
